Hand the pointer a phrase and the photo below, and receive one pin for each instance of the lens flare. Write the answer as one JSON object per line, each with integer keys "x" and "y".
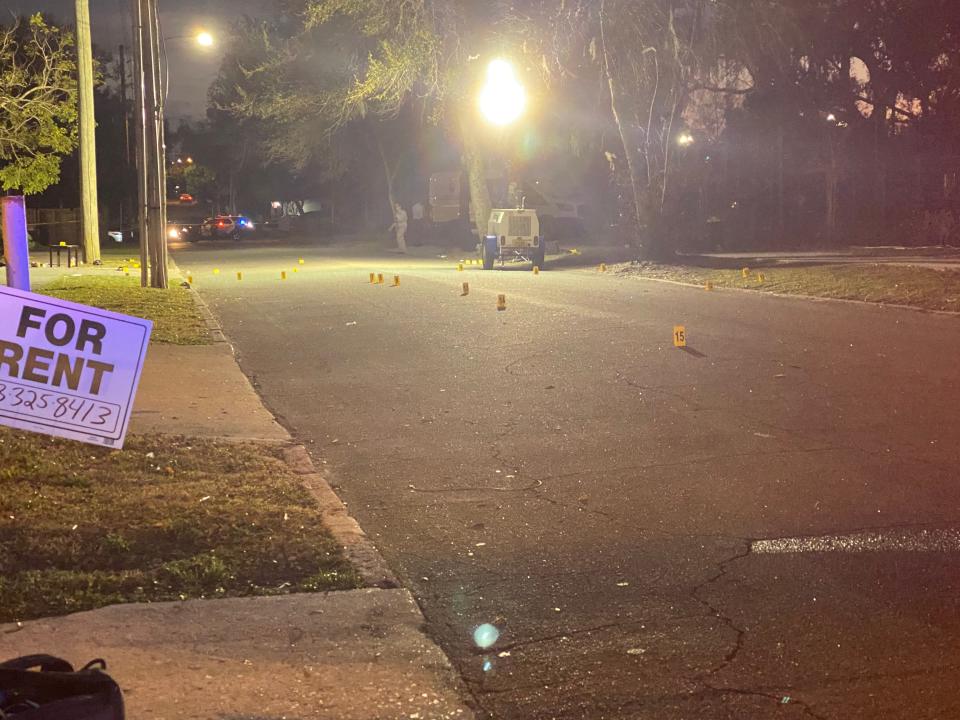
{"x": 485, "y": 635}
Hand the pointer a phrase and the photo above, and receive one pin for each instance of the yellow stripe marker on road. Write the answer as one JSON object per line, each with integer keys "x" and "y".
{"x": 501, "y": 302}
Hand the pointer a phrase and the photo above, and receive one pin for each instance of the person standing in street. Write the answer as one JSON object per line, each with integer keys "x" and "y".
{"x": 400, "y": 226}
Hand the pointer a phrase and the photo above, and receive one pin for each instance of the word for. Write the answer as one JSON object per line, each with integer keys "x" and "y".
{"x": 60, "y": 369}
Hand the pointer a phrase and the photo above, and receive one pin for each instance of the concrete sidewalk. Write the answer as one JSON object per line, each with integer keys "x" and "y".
{"x": 357, "y": 655}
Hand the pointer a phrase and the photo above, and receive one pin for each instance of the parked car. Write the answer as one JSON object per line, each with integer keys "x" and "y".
{"x": 231, "y": 226}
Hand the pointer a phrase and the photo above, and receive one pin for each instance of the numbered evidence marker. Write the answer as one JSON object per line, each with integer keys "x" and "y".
{"x": 68, "y": 370}
{"x": 283, "y": 274}
{"x": 379, "y": 278}
{"x": 299, "y": 261}
{"x": 396, "y": 281}
{"x": 679, "y": 336}
{"x": 501, "y": 302}
{"x": 466, "y": 289}
{"x": 373, "y": 278}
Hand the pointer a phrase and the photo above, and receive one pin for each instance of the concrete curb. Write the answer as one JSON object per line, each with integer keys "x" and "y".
{"x": 357, "y": 547}
{"x": 794, "y": 296}
{"x": 216, "y": 332}
{"x": 213, "y": 327}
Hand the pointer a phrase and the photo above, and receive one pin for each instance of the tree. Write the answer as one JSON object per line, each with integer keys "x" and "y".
{"x": 379, "y": 66}
{"x": 38, "y": 104}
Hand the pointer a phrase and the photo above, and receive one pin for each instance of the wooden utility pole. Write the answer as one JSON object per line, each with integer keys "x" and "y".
{"x": 88, "y": 144}
{"x": 151, "y": 158}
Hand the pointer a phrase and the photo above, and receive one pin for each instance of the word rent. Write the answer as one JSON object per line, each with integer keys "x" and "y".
{"x": 77, "y": 368}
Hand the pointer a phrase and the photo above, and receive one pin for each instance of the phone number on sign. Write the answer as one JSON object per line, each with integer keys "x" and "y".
{"x": 62, "y": 409}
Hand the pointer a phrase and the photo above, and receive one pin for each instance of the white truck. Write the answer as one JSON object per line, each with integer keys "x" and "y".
{"x": 512, "y": 234}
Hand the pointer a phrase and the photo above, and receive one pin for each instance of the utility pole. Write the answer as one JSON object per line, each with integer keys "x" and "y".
{"x": 140, "y": 128}
{"x": 88, "y": 143}
{"x": 151, "y": 157}
{"x": 127, "y": 161}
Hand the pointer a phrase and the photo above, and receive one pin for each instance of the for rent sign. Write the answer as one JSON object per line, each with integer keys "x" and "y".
{"x": 68, "y": 370}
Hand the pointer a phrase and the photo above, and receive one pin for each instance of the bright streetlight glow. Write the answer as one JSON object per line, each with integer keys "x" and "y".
{"x": 502, "y": 99}
{"x": 204, "y": 39}
{"x": 685, "y": 139}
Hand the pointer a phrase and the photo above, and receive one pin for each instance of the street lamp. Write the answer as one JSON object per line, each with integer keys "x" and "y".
{"x": 685, "y": 139}
{"x": 204, "y": 39}
{"x": 503, "y": 98}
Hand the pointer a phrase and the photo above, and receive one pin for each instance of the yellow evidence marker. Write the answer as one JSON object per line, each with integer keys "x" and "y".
{"x": 190, "y": 279}
{"x": 379, "y": 278}
{"x": 239, "y": 276}
{"x": 460, "y": 267}
{"x": 501, "y": 302}
{"x": 679, "y": 336}
{"x": 283, "y": 274}
{"x": 396, "y": 281}
{"x": 536, "y": 269}
{"x": 466, "y": 289}
{"x": 745, "y": 272}
{"x": 373, "y": 278}
{"x": 760, "y": 278}
{"x": 708, "y": 286}
{"x": 216, "y": 271}
{"x": 300, "y": 261}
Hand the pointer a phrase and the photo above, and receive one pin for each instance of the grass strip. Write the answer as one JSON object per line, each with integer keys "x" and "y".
{"x": 164, "y": 519}
{"x": 915, "y": 286}
{"x": 173, "y": 311}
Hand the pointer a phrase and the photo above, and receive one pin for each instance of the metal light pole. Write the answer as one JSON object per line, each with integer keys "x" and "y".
{"x": 88, "y": 126}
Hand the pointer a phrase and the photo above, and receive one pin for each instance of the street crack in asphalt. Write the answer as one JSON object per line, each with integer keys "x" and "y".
{"x": 740, "y": 635}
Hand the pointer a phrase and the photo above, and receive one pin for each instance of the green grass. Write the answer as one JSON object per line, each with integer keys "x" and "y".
{"x": 83, "y": 527}
{"x": 175, "y": 316}
{"x": 920, "y": 287}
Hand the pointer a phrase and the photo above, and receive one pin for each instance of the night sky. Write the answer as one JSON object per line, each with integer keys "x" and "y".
{"x": 191, "y": 69}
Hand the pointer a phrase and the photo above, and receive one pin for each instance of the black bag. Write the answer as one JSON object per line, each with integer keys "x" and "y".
{"x": 42, "y": 687}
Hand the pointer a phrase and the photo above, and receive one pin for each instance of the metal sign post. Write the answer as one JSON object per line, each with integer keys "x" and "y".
{"x": 15, "y": 244}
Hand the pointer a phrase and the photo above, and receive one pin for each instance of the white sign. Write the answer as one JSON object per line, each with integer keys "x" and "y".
{"x": 68, "y": 370}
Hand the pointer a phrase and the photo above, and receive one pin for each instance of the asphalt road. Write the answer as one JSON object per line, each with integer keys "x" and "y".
{"x": 765, "y": 525}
